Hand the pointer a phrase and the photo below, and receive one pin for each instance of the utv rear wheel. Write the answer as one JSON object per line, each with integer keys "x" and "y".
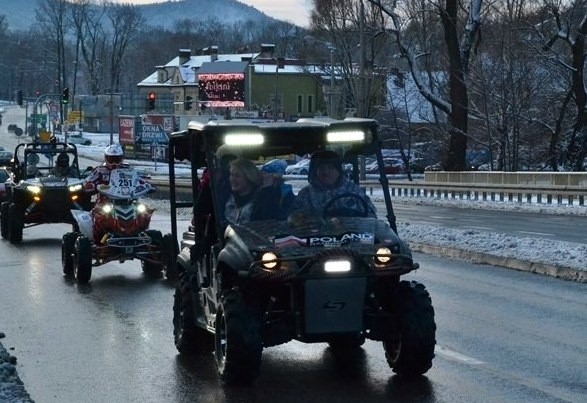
{"x": 82, "y": 260}
{"x": 189, "y": 337}
{"x": 410, "y": 351}
{"x": 4, "y": 219}
{"x": 238, "y": 344}
{"x": 153, "y": 269}
{"x": 67, "y": 252}
{"x": 15, "y": 224}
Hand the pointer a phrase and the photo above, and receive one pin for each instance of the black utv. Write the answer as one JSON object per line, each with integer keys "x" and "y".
{"x": 43, "y": 187}
{"x": 333, "y": 277}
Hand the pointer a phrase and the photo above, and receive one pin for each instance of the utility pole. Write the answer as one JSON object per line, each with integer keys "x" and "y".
{"x": 361, "y": 98}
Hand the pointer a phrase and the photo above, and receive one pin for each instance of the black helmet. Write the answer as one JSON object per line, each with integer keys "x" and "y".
{"x": 63, "y": 160}
{"x": 323, "y": 157}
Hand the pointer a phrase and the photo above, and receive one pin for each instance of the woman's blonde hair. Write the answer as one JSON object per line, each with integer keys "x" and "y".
{"x": 249, "y": 171}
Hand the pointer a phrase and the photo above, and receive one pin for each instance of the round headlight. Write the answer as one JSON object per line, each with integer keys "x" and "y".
{"x": 107, "y": 208}
{"x": 383, "y": 255}
{"x": 141, "y": 208}
{"x": 269, "y": 260}
{"x": 34, "y": 189}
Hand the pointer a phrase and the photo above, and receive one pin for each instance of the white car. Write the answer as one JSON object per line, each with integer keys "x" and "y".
{"x": 76, "y": 138}
{"x": 299, "y": 168}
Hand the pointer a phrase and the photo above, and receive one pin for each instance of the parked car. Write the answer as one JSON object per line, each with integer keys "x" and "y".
{"x": 391, "y": 166}
{"x": 5, "y": 157}
{"x": 3, "y": 178}
{"x": 77, "y": 138}
{"x": 300, "y": 168}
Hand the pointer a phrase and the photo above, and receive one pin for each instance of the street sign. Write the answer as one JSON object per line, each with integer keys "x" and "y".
{"x": 38, "y": 118}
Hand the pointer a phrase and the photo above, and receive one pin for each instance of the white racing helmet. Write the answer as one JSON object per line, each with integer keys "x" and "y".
{"x": 113, "y": 156}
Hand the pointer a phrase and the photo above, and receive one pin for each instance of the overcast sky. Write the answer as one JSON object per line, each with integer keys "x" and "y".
{"x": 296, "y": 11}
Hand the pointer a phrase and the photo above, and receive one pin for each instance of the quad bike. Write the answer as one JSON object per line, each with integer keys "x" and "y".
{"x": 117, "y": 228}
{"x": 333, "y": 276}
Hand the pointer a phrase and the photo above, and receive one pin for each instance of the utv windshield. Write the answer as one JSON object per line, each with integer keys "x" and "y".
{"x": 252, "y": 181}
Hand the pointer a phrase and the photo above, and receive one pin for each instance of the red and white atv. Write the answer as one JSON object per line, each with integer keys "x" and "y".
{"x": 117, "y": 228}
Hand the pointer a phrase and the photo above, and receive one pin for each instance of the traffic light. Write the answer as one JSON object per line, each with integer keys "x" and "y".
{"x": 188, "y": 103}
{"x": 19, "y": 97}
{"x": 65, "y": 96}
{"x": 151, "y": 100}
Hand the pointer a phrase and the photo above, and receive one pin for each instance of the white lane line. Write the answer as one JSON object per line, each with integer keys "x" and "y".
{"x": 456, "y": 356}
{"x": 536, "y": 233}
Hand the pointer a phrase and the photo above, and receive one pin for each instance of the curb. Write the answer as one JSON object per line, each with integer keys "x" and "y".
{"x": 557, "y": 271}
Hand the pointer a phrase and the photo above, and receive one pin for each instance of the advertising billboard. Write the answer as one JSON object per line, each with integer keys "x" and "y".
{"x": 222, "y": 89}
{"x": 146, "y": 136}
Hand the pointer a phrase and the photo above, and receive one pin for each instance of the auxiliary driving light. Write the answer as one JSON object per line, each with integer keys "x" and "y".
{"x": 383, "y": 255}
{"x": 141, "y": 208}
{"x": 244, "y": 139}
{"x": 107, "y": 208}
{"x": 269, "y": 260}
{"x": 75, "y": 188}
{"x": 337, "y": 266}
{"x": 34, "y": 189}
{"x": 344, "y": 136}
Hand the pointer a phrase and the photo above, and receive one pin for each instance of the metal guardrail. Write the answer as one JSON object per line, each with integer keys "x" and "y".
{"x": 520, "y": 193}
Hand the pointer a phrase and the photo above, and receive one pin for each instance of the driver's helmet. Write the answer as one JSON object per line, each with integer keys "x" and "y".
{"x": 63, "y": 160}
{"x": 323, "y": 157}
{"x": 113, "y": 156}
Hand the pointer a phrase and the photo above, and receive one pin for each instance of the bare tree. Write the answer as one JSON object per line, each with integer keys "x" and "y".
{"x": 460, "y": 44}
{"x": 567, "y": 24}
{"x": 126, "y": 22}
{"x": 52, "y": 14}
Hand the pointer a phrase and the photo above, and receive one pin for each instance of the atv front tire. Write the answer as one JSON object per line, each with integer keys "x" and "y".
{"x": 410, "y": 351}
{"x": 153, "y": 269}
{"x": 238, "y": 343}
{"x": 4, "y": 219}
{"x": 189, "y": 337}
{"x": 15, "y": 224}
{"x": 82, "y": 260}
{"x": 67, "y": 252}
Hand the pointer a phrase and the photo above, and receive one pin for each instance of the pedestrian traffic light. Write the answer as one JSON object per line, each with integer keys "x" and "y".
{"x": 188, "y": 103}
{"x": 65, "y": 96}
{"x": 151, "y": 100}
{"x": 19, "y": 97}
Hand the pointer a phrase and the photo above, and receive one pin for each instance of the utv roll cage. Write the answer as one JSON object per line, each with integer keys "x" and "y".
{"x": 199, "y": 142}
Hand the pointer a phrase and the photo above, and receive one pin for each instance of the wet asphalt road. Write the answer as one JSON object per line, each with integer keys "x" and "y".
{"x": 502, "y": 336}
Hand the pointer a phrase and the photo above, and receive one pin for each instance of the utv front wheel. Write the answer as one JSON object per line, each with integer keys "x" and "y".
{"x": 15, "y": 224}
{"x": 238, "y": 344}
{"x": 82, "y": 261}
{"x": 4, "y": 219}
{"x": 410, "y": 351}
{"x": 67, "y": 252}
{"x": 189, "y": 337}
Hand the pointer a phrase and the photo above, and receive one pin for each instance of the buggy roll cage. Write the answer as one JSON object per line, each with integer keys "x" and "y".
{"x": 53, "y": 149}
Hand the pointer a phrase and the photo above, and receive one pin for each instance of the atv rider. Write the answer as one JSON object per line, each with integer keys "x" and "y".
{"x": 113, "y": 159}
{"x": 327, "y": 181}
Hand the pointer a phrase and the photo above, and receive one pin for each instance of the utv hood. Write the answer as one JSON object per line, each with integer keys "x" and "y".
{"x": 296, "y": 236}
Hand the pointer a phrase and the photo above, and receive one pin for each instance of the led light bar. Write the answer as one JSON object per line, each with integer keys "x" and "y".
{"x": 337, "y": 266}
{"x": 244, "y": 139}
{"x": 341, "y": 136}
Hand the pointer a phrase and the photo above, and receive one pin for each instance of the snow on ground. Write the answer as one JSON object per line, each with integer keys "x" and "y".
{"x": 544, "y": 251}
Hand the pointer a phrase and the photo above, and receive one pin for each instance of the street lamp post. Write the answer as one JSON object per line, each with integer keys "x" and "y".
{"x": 331, "y": 48}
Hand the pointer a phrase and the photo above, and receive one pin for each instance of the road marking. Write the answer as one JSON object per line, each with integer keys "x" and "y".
{"x": 456, "y": 356}
{"x": 479, "y": 227}
{"x": 535, "y": 233}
